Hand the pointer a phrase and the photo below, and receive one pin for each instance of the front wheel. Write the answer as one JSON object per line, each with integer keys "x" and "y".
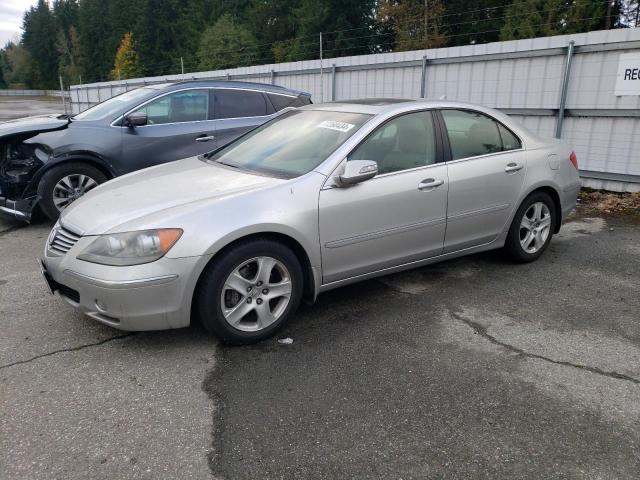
{"x": 250, "y": 291}
{"x": 532, "y": 228}
{"x": 64, "y": 184}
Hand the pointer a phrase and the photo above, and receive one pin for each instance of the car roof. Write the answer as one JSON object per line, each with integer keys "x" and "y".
{"x": 375, "y": 106}
{"x": 387, "y": 107}
{"x": 265, "y": 87}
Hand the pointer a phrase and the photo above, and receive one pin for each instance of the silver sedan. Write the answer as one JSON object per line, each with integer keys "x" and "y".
{"x": 317, "y": 198}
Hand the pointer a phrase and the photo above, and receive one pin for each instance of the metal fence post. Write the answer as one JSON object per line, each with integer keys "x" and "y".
{"x": 333, "y": 82}
{"x": 423, "y": 78}
{"x": 565, "y": 88}
{"x": 64, "y": 104}
{"x": 272, "y": 76}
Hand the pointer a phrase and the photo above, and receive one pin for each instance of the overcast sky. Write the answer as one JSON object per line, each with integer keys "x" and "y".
{"x": 11, "y": 12}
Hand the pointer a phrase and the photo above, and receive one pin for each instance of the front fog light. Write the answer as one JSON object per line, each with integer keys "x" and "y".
{"x": 131, "y": 248}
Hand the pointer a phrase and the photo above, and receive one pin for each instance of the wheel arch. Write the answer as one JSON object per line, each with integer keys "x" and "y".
{"x": 309, "y": 287}
{"x": 80, "y": 157}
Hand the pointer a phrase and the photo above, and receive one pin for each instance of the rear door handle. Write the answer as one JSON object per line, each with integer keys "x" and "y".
{"x": 513, "y": 167}
{"x": 429, "y": 184}
{"x": 205, "y": 138}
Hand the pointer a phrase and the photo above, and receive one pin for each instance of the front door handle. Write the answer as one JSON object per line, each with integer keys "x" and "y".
{"x": 429, "y": 184}
{"x": 205, "y": 138}
{"x": 513, "y": 167}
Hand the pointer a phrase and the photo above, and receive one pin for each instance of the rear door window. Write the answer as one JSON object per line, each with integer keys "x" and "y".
{"x": 473, "y": 133}
{"x": 231, "y": 103}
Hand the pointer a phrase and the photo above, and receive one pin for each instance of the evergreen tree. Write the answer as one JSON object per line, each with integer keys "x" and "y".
{"x": 226, "y": 44}
{"x": 348, "y": 27}
{"x": 39, "y": 40}
{"x": 473, "y": 21}
{"x": 538, "y": 18}
{"x": 68, "y": 46}
{"x": 415, "y": 24}
{"x": 126, "y": 64}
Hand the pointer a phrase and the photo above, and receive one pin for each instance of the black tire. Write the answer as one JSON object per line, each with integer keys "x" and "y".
{"x": 208, "y": 301}
{"x": 54, "y": 175}
{"x": 513, "y": 247}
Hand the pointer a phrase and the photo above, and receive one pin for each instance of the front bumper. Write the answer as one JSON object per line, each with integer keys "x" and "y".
{"x": 154, "y": 296}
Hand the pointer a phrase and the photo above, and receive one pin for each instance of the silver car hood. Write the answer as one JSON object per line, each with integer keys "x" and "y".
{"x": 154, "y": 189}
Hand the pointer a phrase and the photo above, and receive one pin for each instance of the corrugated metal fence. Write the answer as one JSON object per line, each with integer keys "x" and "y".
{"x": 524, "y": 78}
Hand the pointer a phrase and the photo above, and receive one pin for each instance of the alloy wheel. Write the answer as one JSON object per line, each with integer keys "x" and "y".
{"x": 535, "y": 227}
{"x": 256, "y": 294}
{"x": 70, "y": 188}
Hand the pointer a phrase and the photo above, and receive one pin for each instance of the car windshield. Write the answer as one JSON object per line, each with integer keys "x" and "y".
{"x": 292, "y": 144}
{"x": 115, "y": 105}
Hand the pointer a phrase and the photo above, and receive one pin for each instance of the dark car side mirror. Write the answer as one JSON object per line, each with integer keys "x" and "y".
{"x": 135, "y": 119}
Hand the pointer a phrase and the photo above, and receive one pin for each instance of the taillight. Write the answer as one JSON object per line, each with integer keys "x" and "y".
{"x": 574, "y": 159}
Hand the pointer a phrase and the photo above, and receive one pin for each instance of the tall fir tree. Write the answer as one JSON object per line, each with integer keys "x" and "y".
{"x": 39, "y": 39}
{"x": 415, "y": 24}
{"x": 540, "y": 18}
{"x": 473, "y": 21}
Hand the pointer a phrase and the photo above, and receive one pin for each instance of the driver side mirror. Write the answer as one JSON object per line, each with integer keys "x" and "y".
{"x": 356, "y": 171}
{"x": 135, "y": 119}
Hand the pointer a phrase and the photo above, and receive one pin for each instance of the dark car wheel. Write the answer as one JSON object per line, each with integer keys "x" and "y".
{"x": 249, "y": 292}
{"x": 532, "y": 228}
{"x": 62, "y": 185}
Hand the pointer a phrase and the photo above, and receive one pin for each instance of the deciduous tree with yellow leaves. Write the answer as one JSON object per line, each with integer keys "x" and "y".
{"x": 126, "y": 64}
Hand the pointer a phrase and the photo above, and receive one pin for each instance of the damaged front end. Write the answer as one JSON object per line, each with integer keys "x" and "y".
{"x": 22, "y": 156}
{"x": 19, "y": 164}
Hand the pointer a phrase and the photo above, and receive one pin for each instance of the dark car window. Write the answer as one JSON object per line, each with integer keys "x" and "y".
{"x": 473, "y": 133}
{"x": 116, "y": 105}
{"x": 280, "y": 101}
{"x": 402, "y": 143}
{"x": 230, "y": 103}
{"x": 178, "y": 107}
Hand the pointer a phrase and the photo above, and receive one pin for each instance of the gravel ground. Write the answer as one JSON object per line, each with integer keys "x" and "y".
{"x": 474, "y": 368}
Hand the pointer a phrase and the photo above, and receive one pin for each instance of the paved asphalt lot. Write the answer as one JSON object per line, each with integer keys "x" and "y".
{"x": 16, "y": 107}
{"x": 475, "y": 368}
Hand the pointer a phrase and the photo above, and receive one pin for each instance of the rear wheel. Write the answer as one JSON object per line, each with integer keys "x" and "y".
{"x": 532, "y": 228}
{"x": 63, "y": 185}
{"x": 249, "y": 292}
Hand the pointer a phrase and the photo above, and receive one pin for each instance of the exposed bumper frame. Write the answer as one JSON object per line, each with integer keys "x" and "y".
{"x": 17, "y": 209}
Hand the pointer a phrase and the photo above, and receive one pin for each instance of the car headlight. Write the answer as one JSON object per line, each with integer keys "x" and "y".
{"x": 130, "y": 248}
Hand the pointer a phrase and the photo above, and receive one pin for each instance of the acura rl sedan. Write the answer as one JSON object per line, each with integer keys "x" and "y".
{"x": 319, "y": 197}
{"x": 50, "y": 161}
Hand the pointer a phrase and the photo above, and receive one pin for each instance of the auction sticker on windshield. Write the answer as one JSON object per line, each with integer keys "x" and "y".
{"x": 339, "y": 126}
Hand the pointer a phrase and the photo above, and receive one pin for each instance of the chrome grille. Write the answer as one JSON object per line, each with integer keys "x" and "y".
{"x": 61, "y": 241}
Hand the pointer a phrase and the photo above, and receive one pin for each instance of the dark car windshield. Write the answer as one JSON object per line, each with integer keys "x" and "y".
{"x": 292, "y": 144}
{"x": 117, "y": 105}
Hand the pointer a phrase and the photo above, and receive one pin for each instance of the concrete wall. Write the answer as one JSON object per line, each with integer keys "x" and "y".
{"x": 524, "y": 78}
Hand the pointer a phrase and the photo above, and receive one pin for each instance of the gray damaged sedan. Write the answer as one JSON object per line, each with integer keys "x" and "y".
{"x": 317, "y": 198}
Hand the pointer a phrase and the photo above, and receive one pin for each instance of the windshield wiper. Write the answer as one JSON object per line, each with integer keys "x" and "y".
{"x": 227, "y": 164}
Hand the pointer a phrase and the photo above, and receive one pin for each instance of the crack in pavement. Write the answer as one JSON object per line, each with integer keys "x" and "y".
{"x": 71, "y": 349}
{"x": 482, "y": 331}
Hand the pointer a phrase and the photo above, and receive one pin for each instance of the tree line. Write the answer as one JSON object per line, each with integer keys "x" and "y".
{"x": 93, "y": 40}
